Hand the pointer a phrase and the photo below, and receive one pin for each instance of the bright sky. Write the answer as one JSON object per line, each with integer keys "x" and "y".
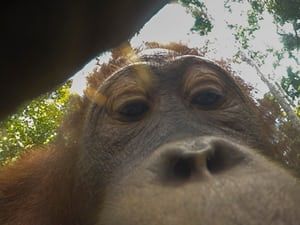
{"x": 173, "y": 23}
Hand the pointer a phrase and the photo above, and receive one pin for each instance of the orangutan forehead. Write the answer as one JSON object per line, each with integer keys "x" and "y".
{"x": 163, "y": 68}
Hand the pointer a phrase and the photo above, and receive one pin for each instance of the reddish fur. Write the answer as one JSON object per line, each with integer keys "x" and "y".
{"x": 39, "y": 189}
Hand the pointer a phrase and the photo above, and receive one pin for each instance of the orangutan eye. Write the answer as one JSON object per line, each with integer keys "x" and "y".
{"x": 207, "y": 99}
{"x": 134, "y": 110}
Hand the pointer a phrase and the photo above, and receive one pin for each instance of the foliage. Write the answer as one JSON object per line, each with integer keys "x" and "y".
{"x": 287, "y": 12}
{"x": 282, "y": 135}
{"x": 33, "y": 124}
{"x": 291, "y": 83}
{"x": 284, "y": 12}
{"x": 244, "y": 34}
{"x": 203, "y": 24}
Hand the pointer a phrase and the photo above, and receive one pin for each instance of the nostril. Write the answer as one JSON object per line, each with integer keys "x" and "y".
{"x": 182, "y": 163}
{"x": 223, "y": 158}
{"x": 216, "y": 161}
{"x": 183, "y": 168}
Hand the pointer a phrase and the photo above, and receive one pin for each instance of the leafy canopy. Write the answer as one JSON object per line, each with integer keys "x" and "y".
{"x": 33, "y": 124}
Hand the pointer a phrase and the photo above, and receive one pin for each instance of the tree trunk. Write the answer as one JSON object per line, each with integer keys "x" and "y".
{"x": 283, "y": 102}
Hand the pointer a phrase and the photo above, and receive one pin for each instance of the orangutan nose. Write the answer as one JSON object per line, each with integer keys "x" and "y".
{"x": 181, "y": 161}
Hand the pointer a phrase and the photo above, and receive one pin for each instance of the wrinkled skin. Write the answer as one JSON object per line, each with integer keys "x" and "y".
{"x": 185, "y": 160}
{"x": 175, "y": 142}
